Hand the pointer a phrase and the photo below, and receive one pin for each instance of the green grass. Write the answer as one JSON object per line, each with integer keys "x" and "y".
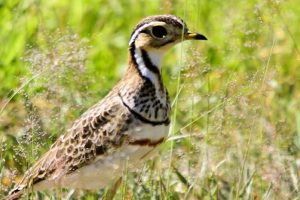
{"x": 236, "y": 109}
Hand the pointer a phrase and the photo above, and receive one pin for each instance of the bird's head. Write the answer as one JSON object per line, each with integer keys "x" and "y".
{"x": 161, "y": 32}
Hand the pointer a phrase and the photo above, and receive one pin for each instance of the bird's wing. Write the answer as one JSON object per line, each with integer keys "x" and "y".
{"x": 99, "y": 131}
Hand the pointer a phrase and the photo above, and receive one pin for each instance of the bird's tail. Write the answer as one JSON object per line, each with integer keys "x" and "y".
{"x": 14, "y": 194}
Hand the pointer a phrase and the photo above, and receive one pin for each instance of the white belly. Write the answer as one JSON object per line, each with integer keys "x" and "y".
{"x": 149, "y": 131}
{"x": 105, "y": 170}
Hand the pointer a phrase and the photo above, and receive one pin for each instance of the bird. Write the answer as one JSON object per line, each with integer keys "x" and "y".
{"x": 123, "y": 129}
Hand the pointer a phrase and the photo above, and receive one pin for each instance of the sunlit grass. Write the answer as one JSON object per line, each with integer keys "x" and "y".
{"x": 236, "y": 110}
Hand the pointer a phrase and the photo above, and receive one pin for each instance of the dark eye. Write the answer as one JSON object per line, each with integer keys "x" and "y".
{"x": 159, "y": 32}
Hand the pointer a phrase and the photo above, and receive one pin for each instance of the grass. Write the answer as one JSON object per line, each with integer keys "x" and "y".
{"x": 236, "y": 111}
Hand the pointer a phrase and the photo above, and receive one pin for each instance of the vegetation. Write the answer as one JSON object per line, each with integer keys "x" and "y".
{"x": 236, "y": 112}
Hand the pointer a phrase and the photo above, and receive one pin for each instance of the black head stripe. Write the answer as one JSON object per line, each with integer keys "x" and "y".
{"x": 169, "y": 19}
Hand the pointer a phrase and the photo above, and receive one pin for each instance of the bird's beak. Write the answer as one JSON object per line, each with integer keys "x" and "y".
{"x": 194, "y": 36}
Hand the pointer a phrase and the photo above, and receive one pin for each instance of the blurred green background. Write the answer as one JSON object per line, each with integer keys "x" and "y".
{"x": 236, "y": 111}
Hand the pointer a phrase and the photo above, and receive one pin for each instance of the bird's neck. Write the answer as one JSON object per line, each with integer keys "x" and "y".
{"x": 148, "y": 64}
{"x": 142, "y": 89}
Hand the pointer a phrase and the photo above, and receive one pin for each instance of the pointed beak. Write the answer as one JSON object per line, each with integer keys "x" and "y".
{"x": 194, "y": 36}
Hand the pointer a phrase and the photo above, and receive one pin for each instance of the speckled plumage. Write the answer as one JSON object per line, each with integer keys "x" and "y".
{"x": 123, "y": 128}
{"x": 99, "y": 133}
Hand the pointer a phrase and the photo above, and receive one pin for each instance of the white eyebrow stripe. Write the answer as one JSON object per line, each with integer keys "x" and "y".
{"x": 133, "y": 37}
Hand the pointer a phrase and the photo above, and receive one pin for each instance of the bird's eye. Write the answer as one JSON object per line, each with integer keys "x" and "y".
{"x": 159, "y": 32}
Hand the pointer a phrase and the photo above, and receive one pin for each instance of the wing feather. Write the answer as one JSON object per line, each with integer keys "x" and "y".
{"x": 99, "y": 131}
